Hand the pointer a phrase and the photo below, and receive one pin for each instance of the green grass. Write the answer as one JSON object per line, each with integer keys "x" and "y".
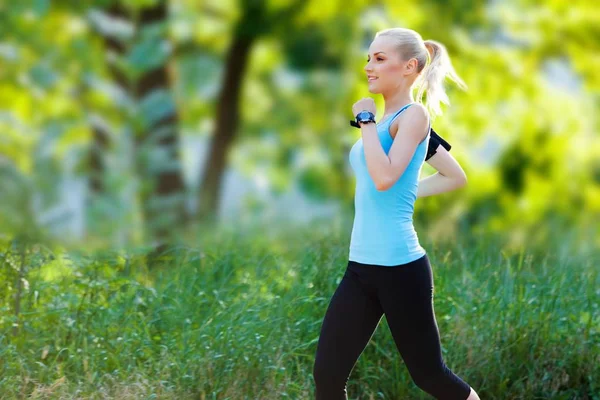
{"x": 237, "y": 316}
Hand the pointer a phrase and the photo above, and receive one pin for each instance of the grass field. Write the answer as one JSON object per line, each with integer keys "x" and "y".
{"x": 237, "y": 316}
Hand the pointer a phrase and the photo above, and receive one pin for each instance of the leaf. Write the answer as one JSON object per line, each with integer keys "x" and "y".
{"x": 157, "y": 105}
{"x": 148, "y": 55}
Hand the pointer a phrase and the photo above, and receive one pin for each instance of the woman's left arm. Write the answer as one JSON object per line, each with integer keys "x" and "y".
{"x": 450, "y": 175}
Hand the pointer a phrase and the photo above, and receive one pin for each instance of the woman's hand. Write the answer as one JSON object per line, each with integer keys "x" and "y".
{"x": 363, "y": 104}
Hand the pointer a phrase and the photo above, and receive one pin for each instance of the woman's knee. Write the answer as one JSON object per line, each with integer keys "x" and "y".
{"x": 323, "y": 374}
{"x": 441, "y": 383}
{"x": 429, "y": 383}
{"x": 329, "y": 384}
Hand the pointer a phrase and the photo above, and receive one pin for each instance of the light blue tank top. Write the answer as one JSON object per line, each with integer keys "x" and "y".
{"x": 383, "y": 231}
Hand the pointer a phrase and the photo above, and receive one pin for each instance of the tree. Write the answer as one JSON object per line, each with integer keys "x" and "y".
{"x": 139, "y": 65}
{"x": 255, "y": 21}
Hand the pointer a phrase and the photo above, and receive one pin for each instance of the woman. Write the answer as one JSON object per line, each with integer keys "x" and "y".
{"x": 388, "y": 271}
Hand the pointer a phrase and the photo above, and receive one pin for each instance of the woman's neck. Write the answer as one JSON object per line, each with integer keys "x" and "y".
{"x": 397, "y": 99}
{"x": 393, "y": 105}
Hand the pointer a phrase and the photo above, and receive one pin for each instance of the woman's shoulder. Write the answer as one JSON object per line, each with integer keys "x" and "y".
{"x": 417, "y": 112}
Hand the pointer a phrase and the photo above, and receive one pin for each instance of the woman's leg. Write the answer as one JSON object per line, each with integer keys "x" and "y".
{"x": 351, "y": 319}
{"x": 406, "y": 295}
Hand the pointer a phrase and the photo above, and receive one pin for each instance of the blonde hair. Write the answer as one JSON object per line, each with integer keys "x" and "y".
{"x": 431, "y": 56}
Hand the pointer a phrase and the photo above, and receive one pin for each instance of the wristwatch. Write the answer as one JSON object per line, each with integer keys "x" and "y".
{"x": 366, "y": 117}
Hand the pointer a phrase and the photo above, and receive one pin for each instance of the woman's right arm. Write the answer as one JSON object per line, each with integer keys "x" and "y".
{"x": 450, "y": 175}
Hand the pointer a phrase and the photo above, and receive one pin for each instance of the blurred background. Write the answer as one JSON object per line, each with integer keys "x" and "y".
{"x": 134, "y": 128}
{"x": 126, "y": 120}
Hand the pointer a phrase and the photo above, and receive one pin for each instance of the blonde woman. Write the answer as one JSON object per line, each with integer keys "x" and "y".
{"x": 388, "y": 271}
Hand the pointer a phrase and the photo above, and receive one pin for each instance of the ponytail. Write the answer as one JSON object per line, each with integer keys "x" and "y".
{"x": 431, "y": 80}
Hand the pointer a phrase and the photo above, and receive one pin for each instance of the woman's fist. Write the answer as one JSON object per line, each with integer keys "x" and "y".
{"x": 366, "y": 103}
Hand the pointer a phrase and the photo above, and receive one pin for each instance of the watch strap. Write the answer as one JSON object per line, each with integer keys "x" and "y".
{"x": 355, "y": 122}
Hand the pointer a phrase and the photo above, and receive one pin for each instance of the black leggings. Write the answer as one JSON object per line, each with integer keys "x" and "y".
{"x": 404, "y": 293}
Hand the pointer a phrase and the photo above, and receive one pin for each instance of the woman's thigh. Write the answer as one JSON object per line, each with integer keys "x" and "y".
{"x": 406, "y": 295}
{"x": 350, "y": 321}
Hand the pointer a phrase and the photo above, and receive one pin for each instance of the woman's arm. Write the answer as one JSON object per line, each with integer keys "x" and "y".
{"x": 450, "y": 175}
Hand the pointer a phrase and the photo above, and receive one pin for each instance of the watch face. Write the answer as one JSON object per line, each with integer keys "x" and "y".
{"x": 363, "y": 115}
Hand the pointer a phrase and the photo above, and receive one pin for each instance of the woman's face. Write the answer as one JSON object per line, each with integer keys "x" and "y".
{"x": 385, "y": 69}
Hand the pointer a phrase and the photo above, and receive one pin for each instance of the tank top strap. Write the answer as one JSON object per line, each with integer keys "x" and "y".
{"x": 391, "y": 120}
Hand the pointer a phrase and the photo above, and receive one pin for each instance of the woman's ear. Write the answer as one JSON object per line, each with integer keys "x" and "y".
{"x": 411, "y": 66}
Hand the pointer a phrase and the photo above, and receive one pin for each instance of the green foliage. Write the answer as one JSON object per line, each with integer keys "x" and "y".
{"x": 526, "y": 132}
{"x": 317, "y": 182}
{"x": 307, "y": 49}
{"x": 239, "y": 317}
{"x": 530, "y": 130}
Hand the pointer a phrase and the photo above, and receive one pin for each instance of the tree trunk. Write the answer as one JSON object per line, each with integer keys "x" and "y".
{"x": 226, "y": 124}
{"x": 168, "y": 182}
{"x": 254, "y": 23}
{"x": 100, "y": 136}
